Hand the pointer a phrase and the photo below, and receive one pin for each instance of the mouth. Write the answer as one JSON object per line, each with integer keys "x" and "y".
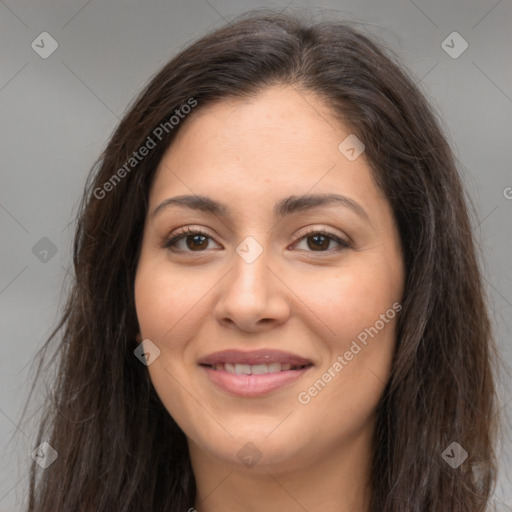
{"x": 253, "y": 374}
{"x": 254, "y": 369}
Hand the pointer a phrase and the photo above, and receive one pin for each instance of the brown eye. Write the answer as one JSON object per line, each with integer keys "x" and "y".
{"x": 195, "y": 241}
{"x": 198, "y": 241}
{"x": 319, "y": 241}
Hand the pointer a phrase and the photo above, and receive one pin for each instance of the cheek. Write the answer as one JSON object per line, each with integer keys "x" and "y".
{"x": 351, "y": 300}
{"x": 166, "y": 303}
{"x": 164, "y": 299}
{"x": 356, "y": 308}
{"x": 151, "y": 294}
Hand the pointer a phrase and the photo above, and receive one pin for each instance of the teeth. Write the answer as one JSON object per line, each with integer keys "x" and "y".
{"x": 274, "y": 367}
{"x": 259, "y": 369}
{"x": 255, "y": 369}
{"x": 243, "y": 369}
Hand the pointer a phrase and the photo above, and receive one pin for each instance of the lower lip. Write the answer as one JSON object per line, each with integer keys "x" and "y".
{"x": 253, "y": 385}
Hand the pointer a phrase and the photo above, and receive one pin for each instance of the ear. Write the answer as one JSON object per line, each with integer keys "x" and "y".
{"x": 138, "y": 337}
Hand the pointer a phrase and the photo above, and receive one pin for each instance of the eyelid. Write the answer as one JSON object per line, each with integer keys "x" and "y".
{"x": 311, "y": 230}
{"x": 181, "y": 233}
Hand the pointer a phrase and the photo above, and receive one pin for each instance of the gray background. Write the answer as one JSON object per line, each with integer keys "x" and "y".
{"x": 58, "y": 112}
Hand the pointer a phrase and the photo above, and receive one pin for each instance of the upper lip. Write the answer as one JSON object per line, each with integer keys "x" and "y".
{"x": 254, "y": 357}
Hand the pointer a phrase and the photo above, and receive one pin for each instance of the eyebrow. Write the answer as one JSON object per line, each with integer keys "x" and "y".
{"x": 284, "y": 207}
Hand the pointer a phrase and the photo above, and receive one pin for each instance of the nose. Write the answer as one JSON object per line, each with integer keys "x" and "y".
{"x": 252, "y": 297}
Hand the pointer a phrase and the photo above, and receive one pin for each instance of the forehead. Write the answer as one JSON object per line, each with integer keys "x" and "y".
{"x": 280, "y": 142}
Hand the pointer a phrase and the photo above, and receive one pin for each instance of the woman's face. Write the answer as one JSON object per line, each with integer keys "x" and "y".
{"x": 276, "y": 325}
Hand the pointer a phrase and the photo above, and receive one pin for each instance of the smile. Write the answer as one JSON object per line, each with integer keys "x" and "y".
{"x": 255, "y": 369}
{"x": 253, "y": 374}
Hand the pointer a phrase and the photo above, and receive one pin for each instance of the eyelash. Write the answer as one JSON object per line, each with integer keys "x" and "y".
{"x": 170, "y": 242}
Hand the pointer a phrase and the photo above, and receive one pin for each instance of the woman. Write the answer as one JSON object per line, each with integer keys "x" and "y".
{"x": 277, "y": 304}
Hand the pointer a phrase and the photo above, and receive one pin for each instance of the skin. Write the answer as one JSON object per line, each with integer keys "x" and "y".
{"x": 295, "y": 297}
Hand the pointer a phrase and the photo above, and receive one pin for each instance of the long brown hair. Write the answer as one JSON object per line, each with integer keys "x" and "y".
{"x": 119, "y": 449}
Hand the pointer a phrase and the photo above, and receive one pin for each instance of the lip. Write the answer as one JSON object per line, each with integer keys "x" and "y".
{"x": 254, "y": 385}
{"x": 262, "y": 356}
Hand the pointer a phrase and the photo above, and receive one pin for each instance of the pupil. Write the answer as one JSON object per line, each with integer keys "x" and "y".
{"x": 324, "y": 244}
{"x": 196, "y": 238}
